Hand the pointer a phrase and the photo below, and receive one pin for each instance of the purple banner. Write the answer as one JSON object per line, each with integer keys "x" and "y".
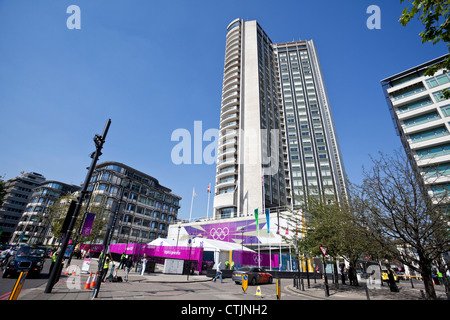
{"x": 88, "y": 222}
{"x": 229, "y": 231}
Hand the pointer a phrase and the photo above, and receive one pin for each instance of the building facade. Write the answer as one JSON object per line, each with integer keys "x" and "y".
{"x": 145, "y": 208}
{"x": 277, "y": 141}
{"x": 34, "y": 225}
{"x": 421, "y": 116}
{"x": 18, "y": 193}
{"x": 314, "y": 163}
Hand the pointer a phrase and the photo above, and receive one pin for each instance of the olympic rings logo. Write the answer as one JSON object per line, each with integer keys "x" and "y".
{"x": 219, "y": 233}
{"x": 256, "y": 258}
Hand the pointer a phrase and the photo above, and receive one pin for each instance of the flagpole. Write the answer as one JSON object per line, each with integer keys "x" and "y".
{"x": 209, "y": 194}
{"x": 192, "y": 202}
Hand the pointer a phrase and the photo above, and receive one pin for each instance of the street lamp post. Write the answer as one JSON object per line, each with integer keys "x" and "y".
{"x": 89, "y": 193}
{"x": 179, "y": 227}
{"x": 107, "y": 240}
{"x": 99, "y": 141}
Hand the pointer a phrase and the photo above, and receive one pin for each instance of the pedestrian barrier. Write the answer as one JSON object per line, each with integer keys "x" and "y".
{"x": 88, "y": 282}
{"x": 94, "y": 279}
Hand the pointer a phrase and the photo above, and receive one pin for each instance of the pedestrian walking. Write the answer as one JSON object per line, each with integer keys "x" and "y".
{"x": 128, "y": 266}
{"x": 105, "y": 268}
{"x": 342, "y": 269}
{"x": 218, "y": 272}
{"x": 53, "y": 257}
{"x": 143, "y": 264}
{"x": 351, "y": 276}
{"x": 122, "y": 261}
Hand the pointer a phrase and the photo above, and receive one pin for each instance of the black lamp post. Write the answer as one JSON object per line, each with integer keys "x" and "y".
{"x": 179, "y": 227}
{"x": 99, "y": 141}
{"x": 107, "y": 240}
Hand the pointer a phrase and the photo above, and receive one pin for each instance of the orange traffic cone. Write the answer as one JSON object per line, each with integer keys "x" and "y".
{"x": 67, "y": 270}
{"x": 88, "y": 285}
{"x": 93, "y": 280}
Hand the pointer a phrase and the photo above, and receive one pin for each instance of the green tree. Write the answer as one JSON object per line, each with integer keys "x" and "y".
{"x": 398, "y": 211}
{"x": 2, "y": 190}
{"x": 58, "y": 213}
{"x": 435, "y": 17}
{"x": 332, "y": 224}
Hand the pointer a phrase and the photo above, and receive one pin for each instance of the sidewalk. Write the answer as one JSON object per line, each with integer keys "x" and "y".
{"x": 347, "y": 292}
{"x": 67, "y": 289}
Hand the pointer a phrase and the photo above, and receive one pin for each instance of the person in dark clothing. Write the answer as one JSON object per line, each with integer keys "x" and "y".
{"x": 128, "y": 266}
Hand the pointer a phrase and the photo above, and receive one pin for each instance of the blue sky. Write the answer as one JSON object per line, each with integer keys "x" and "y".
{"x": 156, "y": 66}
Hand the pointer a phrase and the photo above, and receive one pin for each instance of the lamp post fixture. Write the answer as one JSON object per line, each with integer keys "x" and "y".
{"x": 107, "y": 240}
{"x": 179, "y": 227}
{"x": 99, "y": 141}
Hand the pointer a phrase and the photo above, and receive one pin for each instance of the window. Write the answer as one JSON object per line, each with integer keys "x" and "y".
{"x": 439, "y": 96}
{"x": 438, "y": 80}
{"x": 446, "y": 110}
{"x": 437, "y": 171}
{"x": 408, "y": 91}
{"x": 429, "y": 134}
{"x": 422, "y": 119}
{"x": 415, "y": 104}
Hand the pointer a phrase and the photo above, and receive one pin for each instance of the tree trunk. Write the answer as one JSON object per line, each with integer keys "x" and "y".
{"x": 336, "y": 274}
{"x": 430, "y": 293}
{"x": 443, "y": 270}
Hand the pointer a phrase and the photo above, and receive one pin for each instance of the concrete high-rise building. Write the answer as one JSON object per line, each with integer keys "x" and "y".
{"x": 18, "y": 193}
{"x": 421, "y": 115}
{"x": 277, "y": 142}
{"x": 34, "y": 225}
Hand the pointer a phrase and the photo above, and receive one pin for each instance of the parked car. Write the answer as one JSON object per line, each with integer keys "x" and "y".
{"x": 26, "y": 258}
{"x": 255, "y": 275}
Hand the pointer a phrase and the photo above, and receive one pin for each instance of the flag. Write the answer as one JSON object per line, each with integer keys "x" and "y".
{"x": 193, "y": 192}
{"x": 268, "y": 220}
{"x": 88, "y": 222}
{"x": 256, "y": 217}
{"x": 262, "y": 180}
{"x": 209, "y": 188}
{"x": 287, "y": 228}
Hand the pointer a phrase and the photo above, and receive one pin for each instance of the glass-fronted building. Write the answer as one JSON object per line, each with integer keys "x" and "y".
{"x": 314, "y": 162}
{"x": 146, "y": 207}
{"x": 421, "y": 116}
{"x": 35, "y": 224}
{"x": 18, "y": 193}
{"x": 277, "y": 140}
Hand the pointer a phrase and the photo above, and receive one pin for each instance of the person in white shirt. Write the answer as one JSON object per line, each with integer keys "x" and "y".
{"x": 218, "y": 272}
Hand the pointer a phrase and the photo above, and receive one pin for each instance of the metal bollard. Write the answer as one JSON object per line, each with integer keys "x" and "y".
{"x": 367, "y": 293}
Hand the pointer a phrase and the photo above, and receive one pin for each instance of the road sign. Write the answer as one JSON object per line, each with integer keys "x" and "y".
{"x": 18, "y": 285}
{"x": 258, "y": 291}
{"x": 324, "y": 250}
{"x": 245, "y": 282}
